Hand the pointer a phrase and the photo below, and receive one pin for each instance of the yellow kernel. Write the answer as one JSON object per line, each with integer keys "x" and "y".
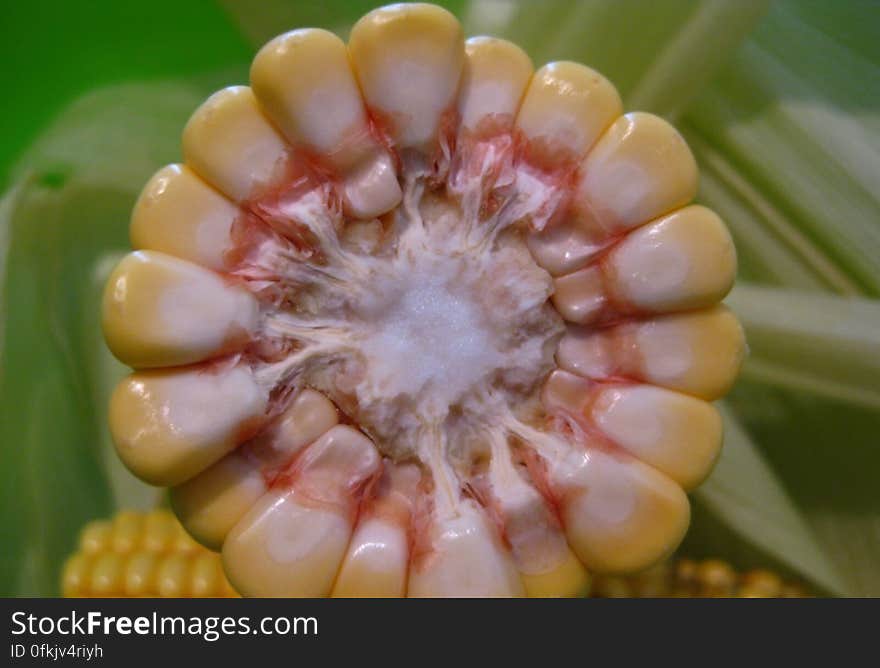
{"x": 95, "y": 537}
{"x": 106, "y": 575}
{"x": 160, "y": 530}
{"x": 172, "y": 576}
{"x": 205, "y": 576}
{"x": 140, "y": 572}
{"x": 127, "y": 531}
{"x": 760, "y": 583}
{"x": 74, "y": 577}
{"x": 716, "y": 578}
{"x": 685, "y": 578}
{"x": 183, "y": 542}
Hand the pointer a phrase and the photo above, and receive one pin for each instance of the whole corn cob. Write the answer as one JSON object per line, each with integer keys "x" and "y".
{"x": 142, "y": 554}
{"x": 688, "y": 578}
{"x": 415, "y": 319}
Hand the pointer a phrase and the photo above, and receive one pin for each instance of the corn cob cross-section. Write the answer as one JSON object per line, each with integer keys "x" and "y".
{"x": 414, "y": 319}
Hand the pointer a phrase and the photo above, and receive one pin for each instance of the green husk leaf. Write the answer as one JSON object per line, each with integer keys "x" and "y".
{"x": 745, "y": 494}
{"x": 818, "y": 343}
{"x": 771, "y": 246}
{"x": 791, "y": 127}
{"x": 64, "y": 222}
{"x": 825, "y": 453}
{"x": 686, "y": 63}
{"x": 51, "y": 480}
{"x": 647, "y": 65}
{"x": 589, "y": 32}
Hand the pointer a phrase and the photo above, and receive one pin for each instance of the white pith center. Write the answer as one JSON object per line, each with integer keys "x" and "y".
{"x": 431, "y": 338}
{"x": 426, "y": 342}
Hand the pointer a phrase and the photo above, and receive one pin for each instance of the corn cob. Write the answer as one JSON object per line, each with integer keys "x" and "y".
{"x": 150, "y": 554}
{"x": 142, "y": 554}
{"x": 687, "y": 578}
{"x": 415, "y": 319}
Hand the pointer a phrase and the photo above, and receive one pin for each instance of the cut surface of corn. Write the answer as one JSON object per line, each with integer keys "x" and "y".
{"x": 415, "y": 318}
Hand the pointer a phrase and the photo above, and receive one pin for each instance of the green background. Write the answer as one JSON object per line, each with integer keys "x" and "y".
{"x": 52, "y": 52}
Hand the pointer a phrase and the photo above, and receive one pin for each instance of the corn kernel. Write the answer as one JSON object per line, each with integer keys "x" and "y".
{"x": 96, "y": 537}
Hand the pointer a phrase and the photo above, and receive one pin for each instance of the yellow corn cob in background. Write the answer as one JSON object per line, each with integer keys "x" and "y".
{"x": 687, "y": 578}
{"x": 151, "y": 555}
{"x": 142, "y": 554}
{"x": 416, "y": 319}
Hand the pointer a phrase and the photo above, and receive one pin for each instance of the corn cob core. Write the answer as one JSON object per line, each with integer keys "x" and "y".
{"x": 142, "y": 555}
{"x": 416, "y": 319}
